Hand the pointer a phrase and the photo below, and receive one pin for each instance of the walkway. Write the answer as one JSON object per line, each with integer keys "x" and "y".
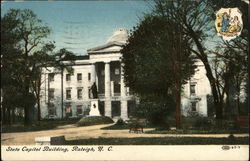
{"x": 72, "y": 132}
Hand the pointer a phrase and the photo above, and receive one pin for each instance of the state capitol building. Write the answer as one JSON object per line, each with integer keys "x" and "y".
{"x": 65, "y": 95}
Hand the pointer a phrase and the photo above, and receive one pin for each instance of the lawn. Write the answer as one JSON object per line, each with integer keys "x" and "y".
{"x": 38, "y": 126}
{"x": 190, "y": 126}
{"x": 94, "y": 120}
{"x": 161, "y": 141}
{"x": 194, "y": 131}
{"x": 121, "y": 127}
{"x": 52, "y": 124}
{"x": 115, "y": 127}
{"x": 181, "y": 131}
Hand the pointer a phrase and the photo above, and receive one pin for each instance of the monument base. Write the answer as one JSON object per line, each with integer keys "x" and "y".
{"x": 94, "y": 108}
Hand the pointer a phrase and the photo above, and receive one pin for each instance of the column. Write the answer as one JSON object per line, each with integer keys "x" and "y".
{"x": 93, "y": 73}
{"x": 124, "y": 102}
{"x": 107, "y": 80}
{"x": 112, "y": 88}
{"x": 127, "y": 91}
{"x": 107, "y": 90}
{"x": 123, "y": 88}
{"x": 124, "y": 109}
{"x": 108, "y": 110}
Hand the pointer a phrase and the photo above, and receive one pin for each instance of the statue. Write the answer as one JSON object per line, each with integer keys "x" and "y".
{"x": 94, "y": 90}
{"x": 94, "y": 110}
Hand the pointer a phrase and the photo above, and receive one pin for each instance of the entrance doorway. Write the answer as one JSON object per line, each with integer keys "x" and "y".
{"x": 116, "y": 108}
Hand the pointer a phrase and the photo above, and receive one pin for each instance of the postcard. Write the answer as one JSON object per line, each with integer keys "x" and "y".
{"x": 124, "y": 80}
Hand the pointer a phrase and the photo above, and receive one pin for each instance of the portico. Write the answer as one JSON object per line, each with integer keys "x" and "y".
{"x": 107, "y": 73}
{"x": 109, "y": 79}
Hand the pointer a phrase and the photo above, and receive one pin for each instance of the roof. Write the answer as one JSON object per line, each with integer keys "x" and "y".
{"x": 82, "y": 57}
{"x": 120, "y": 35}
{"x": 106, "y": 46}
{"x": 119, "y": 38}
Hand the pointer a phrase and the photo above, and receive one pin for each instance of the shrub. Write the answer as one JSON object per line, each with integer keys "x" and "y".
{"x": 226, "y": 125}
{"x": 203, "y": 123}
{"x": 120, "y": 122}
{"x": 155, "y": 109}
{"x": 94, "y": 120}
{"x": 163, "y": 128}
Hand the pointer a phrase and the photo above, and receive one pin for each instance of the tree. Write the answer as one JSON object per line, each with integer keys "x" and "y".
{"x": 24, "y": 52}
{"x": 10, "y": 71}
{"x": 156, "y": 109}
{"x": 195, "y": 19}
{"x": 235, "y": 53}
{"x": 45, "y": 58}
{"x": 157, "y": 60}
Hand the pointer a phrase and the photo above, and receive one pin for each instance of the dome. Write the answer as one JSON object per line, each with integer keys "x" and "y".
{"x": 120, "y": 35}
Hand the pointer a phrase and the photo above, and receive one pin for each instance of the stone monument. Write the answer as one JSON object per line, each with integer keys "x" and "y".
{"x": 94, "y": 108}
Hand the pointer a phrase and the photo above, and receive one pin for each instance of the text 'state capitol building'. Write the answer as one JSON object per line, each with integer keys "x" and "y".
{"x": 96, "y": 86}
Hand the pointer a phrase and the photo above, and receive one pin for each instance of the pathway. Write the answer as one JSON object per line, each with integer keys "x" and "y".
{"x": 72, "y": 132}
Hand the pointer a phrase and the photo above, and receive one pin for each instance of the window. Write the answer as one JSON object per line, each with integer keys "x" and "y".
{"x": 68, "y": 93}
{"x": 51, "y": 93}
{"x": 89, "y": 76}
{"x": 116, "y": 108}
{"x": 68, "y": 77}
{"x": 79, "y": 93}
{"x": 51, "y": 77}
{"x": 117, "y": 87}
{"x": 193, "y": 106}
{"x": 68, "y": 110}
{"x": 79, "y": 109}
{"x": 90, "y": 93}
{"x": 192, "y": 89}
{"x": 51, "y": 109}
{"x": 102, "y": 72}
{"x": 79, "y": 76}
{"x": 117, "y": 71}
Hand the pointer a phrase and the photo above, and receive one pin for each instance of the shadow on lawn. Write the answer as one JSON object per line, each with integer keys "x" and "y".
{"x": 161, "y": 141}
{"x": 38, "y": 126}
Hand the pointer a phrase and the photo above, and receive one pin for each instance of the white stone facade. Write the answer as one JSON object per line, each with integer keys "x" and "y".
{"x": 65, "y": 95}
{"x": 194, "y": 95}
{"x": 101, "y": 66}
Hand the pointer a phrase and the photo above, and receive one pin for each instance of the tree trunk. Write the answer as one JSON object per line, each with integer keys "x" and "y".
{"x": 203, "y": 58}
{"x": 38, "y": 110}
{"x": 3, "y": 113}
{"x": 177, "y": 74}
{"x": 217, "y": 102}
{"x": 26, "y": 108}
{"x": 38, "y": 100}
{"x": 238, "y": 105}
{"x": 178, "y": 93}
{"x": 26, "y": 115}
{"x": 13, "y": 115}
{"x": 178, "y": 105}
{"x": 228, "y": 110}
{"x": 62, "y": 92}
{"x": 9, "y": 116}
{"x": 238, "y": 95}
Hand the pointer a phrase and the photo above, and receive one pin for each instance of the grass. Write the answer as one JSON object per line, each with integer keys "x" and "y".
{"x": 115, "y": 127}
{"x": 121, "y": 127}
{"x": 38, "y": 126}
{"x": 194, "y": 131}
{"x": 94, "y": 120}
{"x": 190, "y": 126}
{"x": 161, "y": 141}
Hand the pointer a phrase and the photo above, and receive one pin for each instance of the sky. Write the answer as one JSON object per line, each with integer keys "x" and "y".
{"x": 80, "y": 25}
